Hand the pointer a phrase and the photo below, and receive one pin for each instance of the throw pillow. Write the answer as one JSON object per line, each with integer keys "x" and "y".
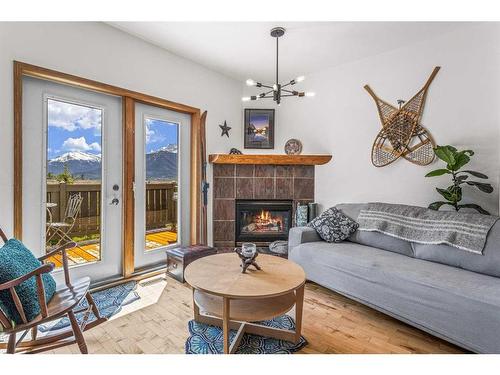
{"x": 16, "y": 261}
{"x": 333, "y": 226}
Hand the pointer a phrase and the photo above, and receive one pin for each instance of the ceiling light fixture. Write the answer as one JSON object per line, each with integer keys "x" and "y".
{"x": 277, "y": 90}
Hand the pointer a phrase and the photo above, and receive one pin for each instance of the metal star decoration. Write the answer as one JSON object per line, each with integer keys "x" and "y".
{"x": 225, "y": 129}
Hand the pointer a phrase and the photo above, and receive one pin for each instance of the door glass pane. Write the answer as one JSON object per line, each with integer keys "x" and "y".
{"x": 74, "y": 171}
{"x": 162, "y": 141}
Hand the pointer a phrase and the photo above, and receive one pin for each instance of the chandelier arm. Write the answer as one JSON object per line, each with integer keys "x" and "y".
{"x": 291, "y": 92}
{"x": 288, "y": 95}
{"x": 266, "y": 86}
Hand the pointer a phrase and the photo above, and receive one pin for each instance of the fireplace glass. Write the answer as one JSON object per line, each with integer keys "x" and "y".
{"x": 263, "y": 221}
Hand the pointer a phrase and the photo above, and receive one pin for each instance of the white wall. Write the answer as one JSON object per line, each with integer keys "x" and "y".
{"x": 100, "y": 52}
{"x": 462, "y": 109}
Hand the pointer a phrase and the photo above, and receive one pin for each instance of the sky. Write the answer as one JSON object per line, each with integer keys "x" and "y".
{"x": 74, "y": 127}
{"x": 160, "y": 133}
{"x": 259, "y": 121}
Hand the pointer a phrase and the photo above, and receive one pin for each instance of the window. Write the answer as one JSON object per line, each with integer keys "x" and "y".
{"x": 162, "y": 176}
{"x": 73, "y": 178}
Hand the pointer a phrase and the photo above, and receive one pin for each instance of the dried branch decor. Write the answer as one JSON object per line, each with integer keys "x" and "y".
{"x": 402, "y": 134}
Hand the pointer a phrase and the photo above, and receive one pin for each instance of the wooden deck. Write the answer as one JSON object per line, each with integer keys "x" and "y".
{"x": 92, "y": 252}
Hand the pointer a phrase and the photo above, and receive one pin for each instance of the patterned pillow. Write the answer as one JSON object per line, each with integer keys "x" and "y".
{"x": 333, "y": 226}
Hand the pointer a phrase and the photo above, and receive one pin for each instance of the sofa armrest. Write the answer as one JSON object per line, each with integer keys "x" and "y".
{"x": 300, "y": 235}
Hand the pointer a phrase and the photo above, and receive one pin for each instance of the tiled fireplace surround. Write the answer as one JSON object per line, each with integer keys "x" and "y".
{"x": 243, "y": 181}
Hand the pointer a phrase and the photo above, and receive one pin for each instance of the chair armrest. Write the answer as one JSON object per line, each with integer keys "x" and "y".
{"x": 61, "y": 250}
{"x": 300, "y": 235}
{"x": 45, "y": 268}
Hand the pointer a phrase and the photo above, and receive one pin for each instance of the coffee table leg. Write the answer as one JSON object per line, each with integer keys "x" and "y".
{"x": 196, "y": 309}
{"x": 225, "y": 324}
{"x": 299, "y": 305}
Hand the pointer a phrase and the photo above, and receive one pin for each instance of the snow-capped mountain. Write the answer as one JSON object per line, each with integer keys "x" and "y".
{"x": 77, "y": 155}
{"x": 170, "y": 148}
{"x": 80, "y": 164}
{"x": 160, "y": 164}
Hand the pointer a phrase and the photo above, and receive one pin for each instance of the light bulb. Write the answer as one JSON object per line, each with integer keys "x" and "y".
{"x": 251, "y": 82}
{"x": 300, "y": 79}
{"x": 310, "y": 94}
{"x": 245, "y": 99}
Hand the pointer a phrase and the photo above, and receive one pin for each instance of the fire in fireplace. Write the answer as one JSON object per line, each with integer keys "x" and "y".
{"x": 263, "y": 221}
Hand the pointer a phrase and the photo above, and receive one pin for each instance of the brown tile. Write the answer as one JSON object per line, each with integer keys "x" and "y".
{"x": 284, "y": 188}
{"x": 224, "y": 187}
{"x": 264, "y": 188}
{"x": 223, "y": 170}
{"x": 223, "y": 230}
{"x": 303, "y": 188}
{"x": 284, "y": 171}
{"x": 244, "y": 188}
{"x": 244, "y": 170}
{"x": 264, "y": 171}
{"x": 303, "y": 171}
{"x": 223, "y": 209}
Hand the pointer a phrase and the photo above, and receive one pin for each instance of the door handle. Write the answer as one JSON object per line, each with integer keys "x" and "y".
{"x": 115, "y": 201}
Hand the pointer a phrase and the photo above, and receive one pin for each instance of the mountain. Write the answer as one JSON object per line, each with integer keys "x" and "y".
{"x": 160, "y": 164}
{"x": 81, "y": 165}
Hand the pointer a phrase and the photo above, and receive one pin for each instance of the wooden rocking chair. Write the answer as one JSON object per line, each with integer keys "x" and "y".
{"x": 66, "y": 298}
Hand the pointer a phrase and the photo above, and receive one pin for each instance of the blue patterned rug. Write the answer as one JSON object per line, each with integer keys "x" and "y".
{"x": 109, "y": 302}
{"x": 207, "y": 339}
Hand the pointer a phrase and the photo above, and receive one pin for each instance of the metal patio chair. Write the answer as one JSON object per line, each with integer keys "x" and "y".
{"x": 61, "y": 229}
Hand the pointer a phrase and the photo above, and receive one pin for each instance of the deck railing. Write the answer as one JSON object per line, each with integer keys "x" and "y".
{"x": 161, "y": 205}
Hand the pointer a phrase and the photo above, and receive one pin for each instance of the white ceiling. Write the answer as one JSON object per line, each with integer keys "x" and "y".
{"x": 246, "y": 50}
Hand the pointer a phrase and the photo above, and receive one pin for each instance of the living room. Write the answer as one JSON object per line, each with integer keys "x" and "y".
{"x": 315, "y": 184}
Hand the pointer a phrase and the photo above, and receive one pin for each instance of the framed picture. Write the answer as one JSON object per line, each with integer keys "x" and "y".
{"x": 259, "y": 128}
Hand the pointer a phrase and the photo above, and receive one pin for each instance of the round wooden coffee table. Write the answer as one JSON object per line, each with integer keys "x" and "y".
{"x": 225, "y": 297}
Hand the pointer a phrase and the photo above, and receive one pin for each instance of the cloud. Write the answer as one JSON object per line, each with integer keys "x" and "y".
{"x": 72, "y": 117}
{"x": 80, "y": 144}
{"x": 149, "y": 134}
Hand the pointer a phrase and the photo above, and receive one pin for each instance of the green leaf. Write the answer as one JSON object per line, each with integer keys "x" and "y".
{"x": 445, "y": 193}
{"x": 437, "y": 205}
{"x": 487, "y": 188}
{"x": 461, "y": 179}
{"x": 470, "y": 152}
{"x": 446, "y": 154}
{"x": 475, "y": 207}
{"x": 437, "y": 172}
{"x": 475, "y": 174}
{"x": 460, "y": 160}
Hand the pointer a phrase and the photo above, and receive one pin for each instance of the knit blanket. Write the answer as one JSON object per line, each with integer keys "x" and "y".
{"x": 465, "y": 231}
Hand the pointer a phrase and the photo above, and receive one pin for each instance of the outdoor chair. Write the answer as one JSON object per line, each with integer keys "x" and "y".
{"x": 61, "y": 230}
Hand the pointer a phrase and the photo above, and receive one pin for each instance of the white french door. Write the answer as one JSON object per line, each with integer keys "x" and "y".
{"x": 72, "y": 175}
{"x": 162, "y": 166}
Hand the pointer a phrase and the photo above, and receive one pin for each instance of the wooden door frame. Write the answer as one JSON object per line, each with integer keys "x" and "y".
{"x": 129, "y": 98}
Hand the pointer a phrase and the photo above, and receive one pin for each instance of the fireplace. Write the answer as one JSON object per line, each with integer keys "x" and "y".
{"x": 263, "y": 221}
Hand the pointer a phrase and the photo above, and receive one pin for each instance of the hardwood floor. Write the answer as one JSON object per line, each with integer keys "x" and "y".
{"x": 157, "y": 323}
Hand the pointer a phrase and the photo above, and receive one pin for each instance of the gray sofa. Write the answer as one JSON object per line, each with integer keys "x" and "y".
{"x": 445, "y": 291}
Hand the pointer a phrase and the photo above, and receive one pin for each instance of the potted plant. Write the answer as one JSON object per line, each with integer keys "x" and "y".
{"x": 455, "y": 160}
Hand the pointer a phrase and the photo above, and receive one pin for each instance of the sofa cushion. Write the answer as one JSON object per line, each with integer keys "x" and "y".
{"x": 16, "y": 261}
{"x": 488, "y": 263}
{"x": 333, "y": 226}
{"x": 374, "y": 239}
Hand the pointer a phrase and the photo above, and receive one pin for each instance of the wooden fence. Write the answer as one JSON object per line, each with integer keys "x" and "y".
{"x": 161, "y": 205}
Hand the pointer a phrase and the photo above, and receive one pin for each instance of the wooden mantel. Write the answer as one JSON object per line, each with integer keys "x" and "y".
{"x": 270, "y": 159}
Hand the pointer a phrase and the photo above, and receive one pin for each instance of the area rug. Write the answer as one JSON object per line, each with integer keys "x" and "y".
{"x": 207, "y": 339}
{"x": 109, "y": 302}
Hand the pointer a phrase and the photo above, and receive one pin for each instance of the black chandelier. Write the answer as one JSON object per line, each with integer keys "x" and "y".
{"x": 277, "y": 90}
